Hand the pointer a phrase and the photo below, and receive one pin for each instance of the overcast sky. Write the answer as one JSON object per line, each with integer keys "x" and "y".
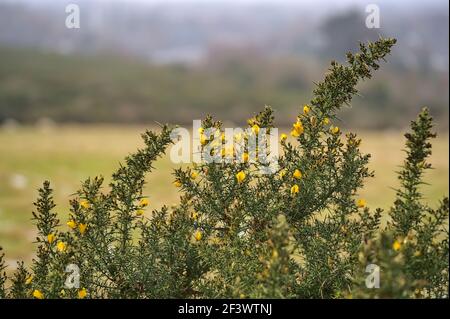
{"x": 334, "y": 2}
{"x": 323, "y": 4}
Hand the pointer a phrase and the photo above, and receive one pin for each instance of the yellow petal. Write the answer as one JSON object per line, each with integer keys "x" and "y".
{"x": 306, "y": 109}
{"x": 334, "y": 130}
{"x": 361, "y": 203}
{"x": 297, "y": 174}
{"x": 140, "y": 212}
{"x": 240, "y": 176}
{"x": 38, "y": 294}
{"x": 396, "y": 245}
{"x": 82, "y": 293}
{"x": 198, "y": 235}
{"x": 295, "y": 133}
{"x": 85, "y": 204}
{"x": 144, "y": 202}
{"x": 61, "y": 246}
{"x": 82, "y": 228}
{"x": 51, "y": 238}
{"x": 295, "y": 189}
{"x": 72, "y": 224}
{"x": 177, "y": 183}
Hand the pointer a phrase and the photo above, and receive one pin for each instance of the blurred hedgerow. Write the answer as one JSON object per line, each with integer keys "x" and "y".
{"x": 302, "y": 232}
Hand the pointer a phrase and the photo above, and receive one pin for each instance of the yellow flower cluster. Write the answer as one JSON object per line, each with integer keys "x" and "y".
{"x": 297, "y": 129}
{"x": 60, "y": 246}
{"x": 73, "y": 225}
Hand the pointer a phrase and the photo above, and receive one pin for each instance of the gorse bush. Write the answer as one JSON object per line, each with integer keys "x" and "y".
{"x": 302, "y": 232}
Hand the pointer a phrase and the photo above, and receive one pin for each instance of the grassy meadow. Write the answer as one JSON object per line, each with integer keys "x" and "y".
{"x": 66, "y": 155}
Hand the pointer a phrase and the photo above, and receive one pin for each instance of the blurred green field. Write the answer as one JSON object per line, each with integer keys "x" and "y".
{"x": 66, "y": 155}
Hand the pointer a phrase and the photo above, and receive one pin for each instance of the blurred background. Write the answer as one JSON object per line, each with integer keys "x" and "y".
{"x": 73, "y": 101}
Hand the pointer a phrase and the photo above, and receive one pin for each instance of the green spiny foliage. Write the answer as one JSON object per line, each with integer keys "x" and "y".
{"x": 301, "y": 232}
{"x": 2, "y": 274}
{"x": 413, "y": 249}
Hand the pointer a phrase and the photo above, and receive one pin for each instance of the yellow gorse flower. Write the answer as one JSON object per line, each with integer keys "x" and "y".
{"x": 361, "y": 203}
{"x": 297, "y": 174}
{"x": 38, "y": 294}
{"x": 177, "y": 183}
{"x": 82, "y": 228}
{"x": 283, "y": 137}
{"x": 245, "y": 157}
{"x": 397, "y": 245}
{"x": 61, "y": 246}
{"x": 295, "y": 189}
{"x": 282, "y": 173}
{"x": 29, "y": 279}
{"x": 140, "y": 212}
{"x": 82, "y": 293}
{"x": 306, "y": 109}
{"x": 198, "y": 235}
{"x": 51, "y": 238}
{"x": 334, "y": 129}
{"x": 85, "y": 204}
{"x": 203, "y": 139}
{"x": 326, "y": 121}
{"x": 240, "y": 177}
{"x": 144, "y": 202}
{"x": 200, "y": 130}
{"x": 255, "y": 129}
{"x": 297, "y": 129}
{"x": 251, "y": 121}
{"x": 194, "y": 175}
{"x": 72, "y": 224}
